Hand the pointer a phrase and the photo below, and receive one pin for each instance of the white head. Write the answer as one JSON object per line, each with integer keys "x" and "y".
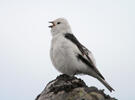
{"x": 60, "y": 26}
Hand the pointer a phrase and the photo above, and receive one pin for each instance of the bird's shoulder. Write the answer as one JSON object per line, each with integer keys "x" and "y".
{"x": 75, "y": 41}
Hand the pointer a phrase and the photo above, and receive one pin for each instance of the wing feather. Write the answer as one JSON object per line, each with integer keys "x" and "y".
{"x": 86, "y": 54}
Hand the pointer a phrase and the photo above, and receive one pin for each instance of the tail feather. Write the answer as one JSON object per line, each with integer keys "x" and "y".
{"x": 106, "y": 84}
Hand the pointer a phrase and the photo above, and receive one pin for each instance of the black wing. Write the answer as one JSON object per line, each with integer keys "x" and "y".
{"x": 84, "y": 51}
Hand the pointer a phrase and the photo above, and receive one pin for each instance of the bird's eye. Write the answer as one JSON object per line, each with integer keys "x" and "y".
{"x": 58, "y": 22}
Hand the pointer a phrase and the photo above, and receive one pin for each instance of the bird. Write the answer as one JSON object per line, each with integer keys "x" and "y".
{"x": 69, "y": 56}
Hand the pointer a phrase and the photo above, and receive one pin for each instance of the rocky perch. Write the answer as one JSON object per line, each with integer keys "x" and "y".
{"x": 71, "y": 88}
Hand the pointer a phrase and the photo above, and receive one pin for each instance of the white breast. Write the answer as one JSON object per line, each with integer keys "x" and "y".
{"x": 63, "y": 55}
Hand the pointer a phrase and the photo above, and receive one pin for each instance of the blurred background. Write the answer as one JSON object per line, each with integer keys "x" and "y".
{"x": 106, "y": 27}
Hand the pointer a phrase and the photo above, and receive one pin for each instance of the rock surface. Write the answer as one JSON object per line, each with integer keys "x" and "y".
{"x": 71, "y": 88}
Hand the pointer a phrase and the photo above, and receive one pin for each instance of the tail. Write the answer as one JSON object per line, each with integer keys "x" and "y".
{"x": 105, "y": 84}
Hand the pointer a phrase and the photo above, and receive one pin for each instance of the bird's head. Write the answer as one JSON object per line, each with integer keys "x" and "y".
{"x": 59, "y": 26}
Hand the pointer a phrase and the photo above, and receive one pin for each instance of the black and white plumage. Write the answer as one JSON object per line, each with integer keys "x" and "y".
{"x": 69, "y": 56}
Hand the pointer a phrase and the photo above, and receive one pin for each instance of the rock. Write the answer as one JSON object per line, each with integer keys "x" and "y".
{"x": 65, "y": 87}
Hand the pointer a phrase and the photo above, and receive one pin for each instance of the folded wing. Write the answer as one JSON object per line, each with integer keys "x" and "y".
{"x": 86, "y": 56}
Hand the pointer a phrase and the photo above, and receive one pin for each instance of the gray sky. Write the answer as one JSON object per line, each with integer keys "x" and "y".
{"x": 106, "y": 27}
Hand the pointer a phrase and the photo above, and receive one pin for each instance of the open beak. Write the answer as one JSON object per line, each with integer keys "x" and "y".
{"x": 51, "y": 26}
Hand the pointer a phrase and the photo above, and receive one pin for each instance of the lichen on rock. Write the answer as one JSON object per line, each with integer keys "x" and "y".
{"x": 65, "y": 87}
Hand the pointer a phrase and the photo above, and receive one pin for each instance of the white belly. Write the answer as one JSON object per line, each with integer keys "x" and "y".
{"x": 63, "y": 56}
